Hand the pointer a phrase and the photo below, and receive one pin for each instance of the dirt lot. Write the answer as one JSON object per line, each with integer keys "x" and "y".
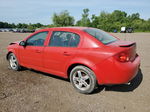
{"x": 30, "y": 91}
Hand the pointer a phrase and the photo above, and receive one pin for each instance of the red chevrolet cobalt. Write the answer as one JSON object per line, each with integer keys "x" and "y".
{"x": 87, "y": 56}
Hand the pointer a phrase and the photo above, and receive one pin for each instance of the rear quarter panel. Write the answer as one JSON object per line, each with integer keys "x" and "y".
{"x": 90, "y": 57}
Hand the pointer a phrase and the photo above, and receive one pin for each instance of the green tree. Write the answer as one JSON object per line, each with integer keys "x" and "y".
{"x": 37, "y": 25}
{"x": 22, "y": 25}
{"x": 105, "y": 21}
{"x": 31, "y": 27}
{"x": 134, "y": 16}
{"x": 63, "y": 19}
{"x": 85, "y": 21}
{"x": 119, "y": 16}
{"x": 13, "y": 25}
{"x": 94, "y": 21}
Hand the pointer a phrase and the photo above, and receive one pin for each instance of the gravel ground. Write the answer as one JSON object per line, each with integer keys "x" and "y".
{"x": 32, "y": 91}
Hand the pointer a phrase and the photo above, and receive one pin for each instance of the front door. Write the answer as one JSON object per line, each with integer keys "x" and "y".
{"x": 32, "y": 54}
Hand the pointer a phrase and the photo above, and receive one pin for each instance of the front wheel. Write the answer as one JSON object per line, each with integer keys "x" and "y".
{"x": 13, "y": 62}
{"x": 83, "y": 79}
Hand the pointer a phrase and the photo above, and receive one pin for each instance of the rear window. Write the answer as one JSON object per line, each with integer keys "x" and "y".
{"x": 100, "y": 35}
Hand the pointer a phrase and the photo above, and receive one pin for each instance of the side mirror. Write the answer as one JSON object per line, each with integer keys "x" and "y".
{"x": 22, "y": 43}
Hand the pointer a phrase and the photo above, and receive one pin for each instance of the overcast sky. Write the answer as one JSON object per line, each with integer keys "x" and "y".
{"x": 33, "y": 11}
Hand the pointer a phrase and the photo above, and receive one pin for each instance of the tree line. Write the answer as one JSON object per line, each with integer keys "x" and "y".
{"x": 21, "y": 25}
{"x": 105, "y": 21}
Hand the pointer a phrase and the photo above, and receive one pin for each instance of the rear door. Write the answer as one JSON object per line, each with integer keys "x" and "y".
{"x": 61, "y": 49}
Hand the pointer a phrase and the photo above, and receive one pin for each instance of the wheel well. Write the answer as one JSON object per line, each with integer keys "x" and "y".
{"x": 8, "y": 55}
{"x": 72, "y": 66}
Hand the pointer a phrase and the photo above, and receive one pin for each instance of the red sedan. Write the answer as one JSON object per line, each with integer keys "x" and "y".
{"x": 87, "y": 56}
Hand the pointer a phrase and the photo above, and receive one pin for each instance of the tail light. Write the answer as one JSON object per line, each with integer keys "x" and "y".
{"x": 127, "y": 51}
{"x": 123, "y": 57}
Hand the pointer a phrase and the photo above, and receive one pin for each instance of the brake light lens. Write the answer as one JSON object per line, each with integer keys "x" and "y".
{"x": 123, "y": 57}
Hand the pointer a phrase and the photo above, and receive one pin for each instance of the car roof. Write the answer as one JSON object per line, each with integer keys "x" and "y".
{"x": 65, "y": 28}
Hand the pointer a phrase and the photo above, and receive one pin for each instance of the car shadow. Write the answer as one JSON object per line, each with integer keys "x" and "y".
{"x": 134, "y": 83}
{"x": 50, "y": 75}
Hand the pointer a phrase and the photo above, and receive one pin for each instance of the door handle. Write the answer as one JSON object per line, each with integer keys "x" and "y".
{"x": 37, "y": 51}
{"x": 66, "y": 54}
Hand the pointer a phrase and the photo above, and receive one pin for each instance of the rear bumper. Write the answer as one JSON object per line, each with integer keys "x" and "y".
{"x": 114, "y": 72}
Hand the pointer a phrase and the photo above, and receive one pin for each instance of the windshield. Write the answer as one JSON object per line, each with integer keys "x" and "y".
{"x": 102, "y": 36}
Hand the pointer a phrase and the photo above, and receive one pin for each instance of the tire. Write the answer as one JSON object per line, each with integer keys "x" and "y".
{"x": 83, "y": 79}
{"x": 13, "y": 62}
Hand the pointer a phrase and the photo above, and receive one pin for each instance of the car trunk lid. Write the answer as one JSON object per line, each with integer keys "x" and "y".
{"x": 127, "y": 47}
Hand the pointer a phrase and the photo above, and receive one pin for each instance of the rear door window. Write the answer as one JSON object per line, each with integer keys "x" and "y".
{"x": 64, "y": 39}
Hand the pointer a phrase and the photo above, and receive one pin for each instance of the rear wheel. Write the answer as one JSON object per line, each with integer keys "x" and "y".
{"x": 13, "y": 62}
{"x": 83, "y": 79}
